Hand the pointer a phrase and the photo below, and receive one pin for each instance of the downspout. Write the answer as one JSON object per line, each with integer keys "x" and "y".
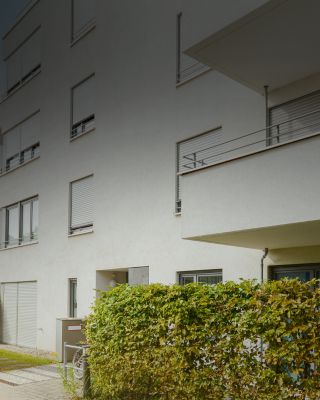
{"x": 266, "y": 251}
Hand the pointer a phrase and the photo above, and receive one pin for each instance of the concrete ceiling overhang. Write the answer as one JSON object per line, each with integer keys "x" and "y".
{"x": 274, "y": 45}
{"x": 302, "y": 234}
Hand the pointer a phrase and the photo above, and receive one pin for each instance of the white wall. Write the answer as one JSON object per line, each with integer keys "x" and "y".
{"x": 140, "y": 116}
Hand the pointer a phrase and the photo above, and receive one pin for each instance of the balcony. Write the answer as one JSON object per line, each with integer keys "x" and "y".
{"x": 257, "y": 190}
{"x": 273, "y": 45}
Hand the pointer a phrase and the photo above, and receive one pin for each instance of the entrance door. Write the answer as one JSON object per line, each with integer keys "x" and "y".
{"x": 19, "y": 313}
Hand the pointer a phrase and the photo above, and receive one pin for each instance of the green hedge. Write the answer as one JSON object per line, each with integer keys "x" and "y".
{"x": 204, "y": 342}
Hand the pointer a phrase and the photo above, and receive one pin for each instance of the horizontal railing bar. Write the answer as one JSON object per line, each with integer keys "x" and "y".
{"x": 255, "y": 132}
{"x": 245, "y": 146}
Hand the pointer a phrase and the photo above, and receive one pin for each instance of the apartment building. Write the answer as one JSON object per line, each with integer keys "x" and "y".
{"x": 154, "y": 141}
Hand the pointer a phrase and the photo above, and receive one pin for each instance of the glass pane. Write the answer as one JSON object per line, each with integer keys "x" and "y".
{"x": 35, "y": 219}
{"x": 304, "y": 276}
{"x": 13, "y": 226}
{"x": 185, "y": 279}
{"x": 210, "y": 279}
{"x": 26, "y": 222}
{"x": 26, "y": 155}
{"x": 73, "y": 298}
{"x": 13, "y": 162}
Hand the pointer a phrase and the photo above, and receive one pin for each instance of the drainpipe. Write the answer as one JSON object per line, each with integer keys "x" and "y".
{"x": 266, "y": 251}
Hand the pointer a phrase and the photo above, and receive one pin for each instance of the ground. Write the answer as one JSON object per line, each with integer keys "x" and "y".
{"x": 27, "y": 374}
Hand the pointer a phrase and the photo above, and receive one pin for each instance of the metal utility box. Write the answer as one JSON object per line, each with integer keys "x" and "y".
{"x": 68, "y": 330}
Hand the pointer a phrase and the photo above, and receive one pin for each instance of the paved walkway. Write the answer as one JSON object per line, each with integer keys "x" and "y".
{"x": 38, "y": 383}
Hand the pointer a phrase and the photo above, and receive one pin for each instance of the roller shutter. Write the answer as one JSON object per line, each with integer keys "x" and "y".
{"x": 83, "y": 14}
{"x": 82, "y": 203}
{"x": 296, "y": 118}
{"x": 83, "y": 100}
{"x": 19, "y": 313}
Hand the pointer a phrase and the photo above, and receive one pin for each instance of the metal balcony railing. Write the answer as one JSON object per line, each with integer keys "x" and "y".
{"x": 15, "y": 242}
{"x": 21, "y": 158}
{"x": 209, "y": 149}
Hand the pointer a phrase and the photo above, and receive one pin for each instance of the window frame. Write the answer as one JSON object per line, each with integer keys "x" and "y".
{"x": 180, "y": 78}
{"x": 86, "y": 227}
{"x": 90, "y": 119}
{"x": 19, "y": 205}
{"x": 75, "y": 36}
{"x": 314, "y": 268}
{"x": 195, "y": 274}
{"x": 73, "y": 297}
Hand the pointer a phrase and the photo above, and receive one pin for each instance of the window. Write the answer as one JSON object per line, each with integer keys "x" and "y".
{"x": 302, "y": 272}
{"x": 24, "y": 62}
{"x": 83, "y": 17}
{"x": 21, "y": 143}
{"x": 195, "y": 152}
{"x": 81, "y": 205}
{"x": 73, "y": 298}
{"x": 21, "y": 222}
{"x": 83, "y": 107}
{"x": 209, "y": 277}
{"x": 187, "y": 67}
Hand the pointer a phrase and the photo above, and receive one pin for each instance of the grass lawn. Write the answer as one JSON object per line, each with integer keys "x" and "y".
{"x": 10, "y": 360}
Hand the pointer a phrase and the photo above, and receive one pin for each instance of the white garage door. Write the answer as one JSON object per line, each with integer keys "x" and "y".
{"x": 19, "y": 313}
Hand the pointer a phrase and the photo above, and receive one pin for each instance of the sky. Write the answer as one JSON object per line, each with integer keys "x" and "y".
{"x": 9, "y": 9}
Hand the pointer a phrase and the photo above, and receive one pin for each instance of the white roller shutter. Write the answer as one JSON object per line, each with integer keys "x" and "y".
{"x": 13, "y": 66}
{"x": 31, "y": 53}
{"x": 84, "y": 12}
{"x": 9, "y": 294}
{"x": 82, "y": 203}
{"x": 299, "y": 124}
{"x": 19, "y": 313}
{"x": 27, "y": 314}
{"x": 83, "y": 100}
{"x": 11, "y": 142}
{"x": 30, "y": 131}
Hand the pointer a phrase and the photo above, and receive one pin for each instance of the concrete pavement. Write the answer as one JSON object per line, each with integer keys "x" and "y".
{"x": 38, "y": 383}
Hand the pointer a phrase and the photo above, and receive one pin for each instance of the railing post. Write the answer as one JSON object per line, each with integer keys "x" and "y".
{"x": 65, "y": 359}
{"x": 86, "y": 375}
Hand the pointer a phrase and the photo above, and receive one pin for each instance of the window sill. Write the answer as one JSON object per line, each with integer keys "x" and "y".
{"x": 18, "y": 166}
{"x": 177, "y": 214}
{"x": 83, "y": 33}
{"x": 15, "y": 246}
{"x": 82, "y": 134}
{"x": 83, "y": 232}
{"x": 22, "y": 84}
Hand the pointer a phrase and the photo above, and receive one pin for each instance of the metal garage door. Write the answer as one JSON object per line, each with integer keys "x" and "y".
{"x": 19, "y": 313}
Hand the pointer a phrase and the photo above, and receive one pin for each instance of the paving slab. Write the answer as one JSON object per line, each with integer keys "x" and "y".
{"x": 33, "y": 376}
{"x": 44, "y": 372}
{"x": 48, "y": 390}
{"x": 13, "y": 379}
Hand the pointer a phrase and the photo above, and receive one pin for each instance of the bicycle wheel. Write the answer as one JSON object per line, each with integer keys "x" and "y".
{"x": 77, "y": 362}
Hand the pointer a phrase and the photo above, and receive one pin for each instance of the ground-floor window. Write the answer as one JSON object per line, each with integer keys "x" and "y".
{"x": 303, "y": 272}
{"x": 208, "y": 277}
{"x": 73, "y": 298}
